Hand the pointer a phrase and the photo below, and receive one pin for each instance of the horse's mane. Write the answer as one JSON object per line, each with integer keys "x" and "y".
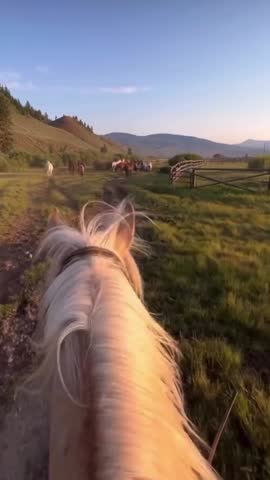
{"x": 129, "y": 360}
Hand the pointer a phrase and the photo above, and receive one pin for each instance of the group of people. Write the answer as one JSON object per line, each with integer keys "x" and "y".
{"x": 127, "y": 166}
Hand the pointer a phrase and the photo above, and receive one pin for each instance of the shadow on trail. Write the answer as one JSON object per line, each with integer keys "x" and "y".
{"x": 114, "y": 192}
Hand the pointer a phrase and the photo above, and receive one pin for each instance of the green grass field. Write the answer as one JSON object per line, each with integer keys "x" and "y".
{"x": 32, "y": 192}
{"x": 207, "y": 281}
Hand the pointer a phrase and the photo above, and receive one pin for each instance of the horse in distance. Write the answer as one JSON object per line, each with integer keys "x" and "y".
{"x": 49, "y": 168}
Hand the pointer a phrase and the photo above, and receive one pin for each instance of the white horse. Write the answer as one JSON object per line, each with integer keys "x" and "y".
{"x": 116, "y": 404}
{"x": 49, "y": 168}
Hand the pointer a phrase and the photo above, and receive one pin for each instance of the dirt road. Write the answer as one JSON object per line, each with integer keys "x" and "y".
{"x": 23, "y": 418}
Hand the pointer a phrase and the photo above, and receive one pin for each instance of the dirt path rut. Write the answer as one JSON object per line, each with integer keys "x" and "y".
{"x": 23, "y": 418}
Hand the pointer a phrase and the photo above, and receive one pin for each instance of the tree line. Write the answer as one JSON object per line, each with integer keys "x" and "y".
{"x": 26, "y": 109}
{"x": 84, "y": 124}
{"x": 6, "y": 138}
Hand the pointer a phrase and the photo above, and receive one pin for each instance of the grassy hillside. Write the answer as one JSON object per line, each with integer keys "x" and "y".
{"x": 33, "y": 132}
{"x": 34, "y": 136}
{"x": 74, "y": 127}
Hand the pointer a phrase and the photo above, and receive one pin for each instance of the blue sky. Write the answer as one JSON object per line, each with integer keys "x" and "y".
{"x": 194, "y": 67}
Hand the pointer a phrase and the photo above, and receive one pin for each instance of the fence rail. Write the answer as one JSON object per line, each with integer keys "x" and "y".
{"x": 184, "y": 167}
{"x": 195, "y": 170}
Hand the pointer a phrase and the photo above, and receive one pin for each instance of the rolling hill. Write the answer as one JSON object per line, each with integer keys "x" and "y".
{"x": 166, "y": 145}
{"x": 75, "y": 128}
{"x": 34, "y": 136}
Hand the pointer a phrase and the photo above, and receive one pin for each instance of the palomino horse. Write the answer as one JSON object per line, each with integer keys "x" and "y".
{"x": 116, "y": 404}
{"x": 49, "y": 168}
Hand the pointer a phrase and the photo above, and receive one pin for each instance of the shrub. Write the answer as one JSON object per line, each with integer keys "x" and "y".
{"x": 4, "y": 167}
{"x": 37, "y": 161}
{"x": 259, "y": 162}
{"x": 104, "y": 149}
{"x": 256, "y": 163}
{"x": 67, "y": 156}
{"x": 88, "y": 156}
{"x": 19, "y": 160}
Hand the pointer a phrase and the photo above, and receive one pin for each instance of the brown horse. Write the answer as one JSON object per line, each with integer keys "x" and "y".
{"x": 81, "y": 168}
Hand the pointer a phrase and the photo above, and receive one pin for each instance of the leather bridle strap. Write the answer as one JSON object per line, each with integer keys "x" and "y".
{"x": 89, "y": 251}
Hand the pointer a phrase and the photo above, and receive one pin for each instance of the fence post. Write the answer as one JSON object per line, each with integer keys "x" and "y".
{"x": 192, "y": 178}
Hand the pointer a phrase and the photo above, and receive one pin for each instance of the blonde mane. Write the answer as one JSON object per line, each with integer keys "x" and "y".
{"x": 112, "y": 356}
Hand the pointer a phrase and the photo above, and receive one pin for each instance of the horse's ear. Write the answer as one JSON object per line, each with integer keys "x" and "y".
{"x": 126, "y": 231}
{"x": 54, "y": 219}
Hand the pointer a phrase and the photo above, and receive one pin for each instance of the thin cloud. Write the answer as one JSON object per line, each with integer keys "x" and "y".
{"x": 123, "y": 90}
{"x": 42, "y": 69}
{"x": 22, "y": 86}
{"x": 9, "y": 76}
{"x": 128, "y": 90}
{"x": 13, "y": 81}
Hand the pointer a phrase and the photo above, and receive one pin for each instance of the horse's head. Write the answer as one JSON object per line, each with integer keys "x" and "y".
{"x": 113, "y": 229}
{"x": 124, "y": 369}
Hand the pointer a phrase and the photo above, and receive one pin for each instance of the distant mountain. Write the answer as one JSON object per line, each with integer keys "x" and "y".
{"x": 257, "y": 144}
{"x": 166, "y": 145}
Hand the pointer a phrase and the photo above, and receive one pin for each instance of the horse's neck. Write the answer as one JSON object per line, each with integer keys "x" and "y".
{"x": 132, "y": 428}
{"x": 68, "y": 457}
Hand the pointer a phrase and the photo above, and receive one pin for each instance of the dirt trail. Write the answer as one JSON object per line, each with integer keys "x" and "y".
{"x": 24, "y": 418}
{"x": 115, "y": 191}
{"x": 23, "y": 424}
{"x": 16, "y": 254}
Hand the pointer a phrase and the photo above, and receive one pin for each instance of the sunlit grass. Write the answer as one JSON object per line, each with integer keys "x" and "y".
{"x": 208, "y": 281}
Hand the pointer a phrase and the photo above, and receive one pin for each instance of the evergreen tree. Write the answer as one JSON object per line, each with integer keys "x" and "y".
{"x": 104, "y": 149}
{"x": 28, "y": 106}
{"x": 6, "y": 139}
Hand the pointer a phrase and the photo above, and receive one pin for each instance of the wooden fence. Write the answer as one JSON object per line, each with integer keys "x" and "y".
{"x": 230, "y": 177}
{"x": 184, "y": 168}
{"x": 202, "y": 177}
